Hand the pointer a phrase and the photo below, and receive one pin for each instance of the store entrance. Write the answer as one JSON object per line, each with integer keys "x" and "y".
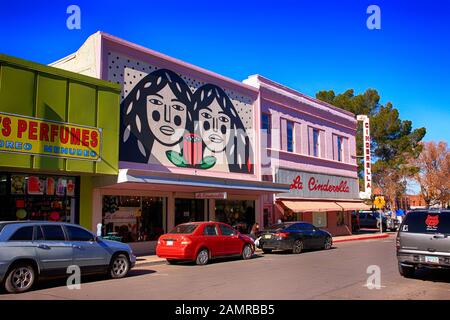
{"x": 133, "y": 218}
{"x": 189, "y": 210}
{"x": 240, "y": 214}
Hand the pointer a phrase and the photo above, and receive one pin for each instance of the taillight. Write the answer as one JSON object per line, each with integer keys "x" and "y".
{"x": 282, "y": 234}
{"x": 185, "y": 241}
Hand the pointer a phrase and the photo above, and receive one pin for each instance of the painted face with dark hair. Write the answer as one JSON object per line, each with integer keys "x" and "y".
{"x": 215, "y": 126}
{"x": 166, "y": 116}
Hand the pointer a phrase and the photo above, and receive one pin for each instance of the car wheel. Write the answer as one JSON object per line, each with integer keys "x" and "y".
{"x": 20, "y": 278}
{"x": 406, "y": 271}
{"x": 298, "y": 247}
{"x": 328, "y": 243}
{"x": 247, "y": 252}
{"x": 202, "y": 257}
{"x": 119, "y": 267}
{"x": 267, "y": 250}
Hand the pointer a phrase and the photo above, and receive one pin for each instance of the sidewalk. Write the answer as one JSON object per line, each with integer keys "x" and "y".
{"x": 155, "y": 260}
{"x": 355, "y": 237}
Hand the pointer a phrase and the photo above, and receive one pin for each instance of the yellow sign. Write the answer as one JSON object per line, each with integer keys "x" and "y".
{"x": 379, "y": 202}
{"x": 20, "y": 134}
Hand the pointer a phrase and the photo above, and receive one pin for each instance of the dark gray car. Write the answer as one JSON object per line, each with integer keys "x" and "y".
{"x": 423, "y": 241}
{"x": 369, "y": 219}
{"x": 34, "y": 250}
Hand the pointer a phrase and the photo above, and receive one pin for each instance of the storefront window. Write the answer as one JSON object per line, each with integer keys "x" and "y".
{"x": 37, "y": 197}
{"x": 238, "y": 213}
{"x": 340, "y": 218}
{"x": 189, "y": 210}
{"x": 320, "y": 219}
{"x": 133, "y": 218}
{"x": 3, "y": 184}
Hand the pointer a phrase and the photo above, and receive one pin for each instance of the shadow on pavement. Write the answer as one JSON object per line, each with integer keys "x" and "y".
{"x": 62, "y": 282}
{"x": 434, "y": 275}
{"x": 214, "y": 261}
{"x": 305, "y": 251}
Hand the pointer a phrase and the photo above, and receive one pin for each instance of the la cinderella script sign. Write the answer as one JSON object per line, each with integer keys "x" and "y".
{"x": 312, "y": 185}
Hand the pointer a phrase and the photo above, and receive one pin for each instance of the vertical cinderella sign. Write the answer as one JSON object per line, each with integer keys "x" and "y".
{"x": 367, "y": 156}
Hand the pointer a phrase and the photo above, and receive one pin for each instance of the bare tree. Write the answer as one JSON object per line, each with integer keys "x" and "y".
{"x": 434, "y": 172}
{"x": 392, "y": 182}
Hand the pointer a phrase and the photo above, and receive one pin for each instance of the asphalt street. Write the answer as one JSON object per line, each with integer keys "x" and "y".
{"x": 340, "y": 273}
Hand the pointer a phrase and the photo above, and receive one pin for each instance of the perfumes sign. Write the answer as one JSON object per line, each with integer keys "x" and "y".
{"x": 20, "y": 134}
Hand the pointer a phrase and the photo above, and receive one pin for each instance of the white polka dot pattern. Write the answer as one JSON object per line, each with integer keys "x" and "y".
{"x": 128, "y": 72}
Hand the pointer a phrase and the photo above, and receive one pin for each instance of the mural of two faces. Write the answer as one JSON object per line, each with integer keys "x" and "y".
{"x": 164, "y": 122}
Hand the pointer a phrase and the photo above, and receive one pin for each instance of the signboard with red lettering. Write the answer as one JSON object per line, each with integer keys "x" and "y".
{"x": 210, "y": 195}
{"x": 316, "y": 185}
{"x": 20, "y": 134}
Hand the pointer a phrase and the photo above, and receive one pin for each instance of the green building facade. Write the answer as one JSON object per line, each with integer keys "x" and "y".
{"x": 58, "y": 131}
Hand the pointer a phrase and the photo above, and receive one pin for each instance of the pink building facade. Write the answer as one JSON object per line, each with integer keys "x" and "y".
{"x": 309, "y": 145}
{"x": 191, "y": 148}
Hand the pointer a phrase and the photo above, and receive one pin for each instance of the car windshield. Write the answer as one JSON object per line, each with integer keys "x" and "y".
{"x": 184, "y": 229}
{"x": 427, "y": 222}
{"x": 2, "y": 225}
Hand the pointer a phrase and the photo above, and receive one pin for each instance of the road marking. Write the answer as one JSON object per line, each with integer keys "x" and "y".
{"x": 366, "y": 285}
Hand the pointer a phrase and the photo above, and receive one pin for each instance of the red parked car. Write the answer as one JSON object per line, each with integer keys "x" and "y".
{"x": 202, "y": 241}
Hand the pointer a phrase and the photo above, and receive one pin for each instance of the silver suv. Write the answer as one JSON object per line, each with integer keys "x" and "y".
{"x": 423, "y": 241}
{"x": 35, "y": 249}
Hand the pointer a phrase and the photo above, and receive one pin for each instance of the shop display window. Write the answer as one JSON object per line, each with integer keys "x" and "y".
{"x": 240, "y": 214}
{"x": 340, "y": 218}
{"x": 133, "y": 218}
{"x": 3, "y": 185}
{"x": 189, "y": 210}
{"x": 289, "y": 215}
{"x": 37, "y": 197}
{"x": 319, "y": 219}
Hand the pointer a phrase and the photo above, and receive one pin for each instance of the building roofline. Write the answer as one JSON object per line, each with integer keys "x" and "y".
{"x": 233, "y": 84}
{"x": 26, "y": 64}
{"x": 280, "y": 86}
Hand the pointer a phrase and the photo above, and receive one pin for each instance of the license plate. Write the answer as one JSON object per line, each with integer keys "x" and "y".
{"x": 431, "y": 259}
{"x": 169, "y": 243}
{"x": 267, "y": 236}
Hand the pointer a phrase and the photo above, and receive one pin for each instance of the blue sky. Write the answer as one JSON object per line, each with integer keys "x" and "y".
{"x": 306, "y": 45}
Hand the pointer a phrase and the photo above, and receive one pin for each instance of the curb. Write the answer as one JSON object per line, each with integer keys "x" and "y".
{"x": 150, "y": 263}
{"x": 381, "y": 236}
{"x": 163, "y": 261}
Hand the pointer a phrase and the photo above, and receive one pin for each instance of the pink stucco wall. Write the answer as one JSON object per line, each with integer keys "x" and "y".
{"x": 284, "y": 104}
{"x": 110, "y": 44}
